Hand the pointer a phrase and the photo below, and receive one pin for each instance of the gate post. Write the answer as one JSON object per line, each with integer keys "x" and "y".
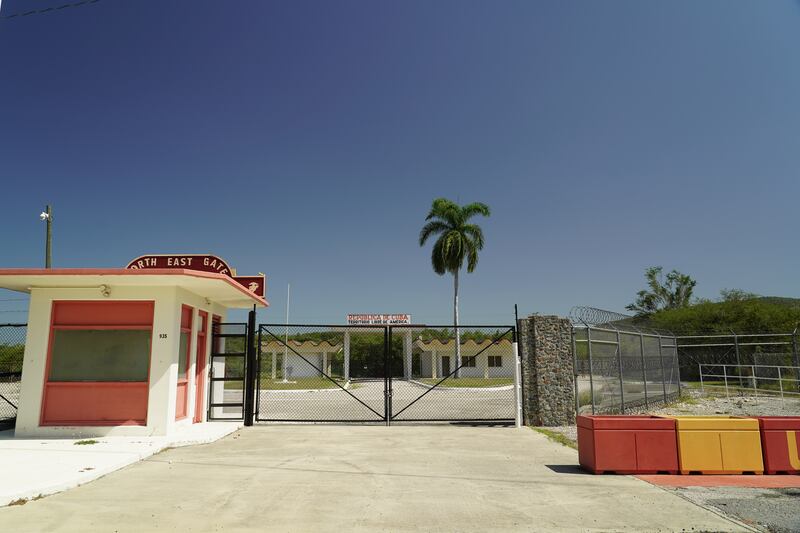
{"x": 387, "y": 374}
{"x": 250, "y": 369}
{"x": 545, "y": 347}
{"x": 518, "y": 421}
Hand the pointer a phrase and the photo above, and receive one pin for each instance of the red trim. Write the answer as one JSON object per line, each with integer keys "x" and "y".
{"x": 94, "y": 326}
{"x": 126, "y": 272}
{"x": 182, "y": 387}
{"x": 87, "y": 312}
{"x": 97, "y": 399}
{"x": 200, "y": 367}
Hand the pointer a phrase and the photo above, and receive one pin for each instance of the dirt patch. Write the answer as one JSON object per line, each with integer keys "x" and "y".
{"x": 697, "y": 402}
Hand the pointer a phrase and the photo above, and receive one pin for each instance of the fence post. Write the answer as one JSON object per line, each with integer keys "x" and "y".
{"x": 725, "y": 375}
{"x": 250, "y": 369}
{"x": 621, "y": 385}
{"x": 644, "y": 370}
{"x": 700, "y": 370}
{"x": 591, "y": 366}
{"x": 780, "y": 384}
{"x": 755, "y": 380}
{"x": 677, "y": 364}
{"x": 738, "y": 361}
{"x": 661, "y": 361}
{"x": 387, "y": 374}
{"x": 795, "y": 360}
{"x": 575, "y": 370}
{"x": 518, "y": 384}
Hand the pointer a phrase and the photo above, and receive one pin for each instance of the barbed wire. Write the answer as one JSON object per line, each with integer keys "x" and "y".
{"x": 48, "y": 9}
{"x": 592, "y": 316}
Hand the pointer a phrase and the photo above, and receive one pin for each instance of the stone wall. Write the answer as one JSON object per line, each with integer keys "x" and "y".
{"x": 548, "y": 386}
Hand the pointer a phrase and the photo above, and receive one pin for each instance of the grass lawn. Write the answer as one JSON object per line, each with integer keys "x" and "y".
{"x": 555, "y": 436}
{"x": 469, "y": 382}
{"x": 292, "y": 384}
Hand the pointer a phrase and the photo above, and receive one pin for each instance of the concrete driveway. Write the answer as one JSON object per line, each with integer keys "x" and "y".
{"x": 366, "y": 478}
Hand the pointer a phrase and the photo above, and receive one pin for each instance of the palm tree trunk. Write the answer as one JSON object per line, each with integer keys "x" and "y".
{"x": 455, "y": 323}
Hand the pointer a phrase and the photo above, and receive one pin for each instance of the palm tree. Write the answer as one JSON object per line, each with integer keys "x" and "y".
{"x": 457, "y": 239}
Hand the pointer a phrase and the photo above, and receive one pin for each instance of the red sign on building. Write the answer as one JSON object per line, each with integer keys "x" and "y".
{"x": 203, "y": 263}
{"x": 254, "y": 284}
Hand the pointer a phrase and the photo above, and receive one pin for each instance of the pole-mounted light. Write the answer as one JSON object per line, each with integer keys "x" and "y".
{"x": 47, "y": 216}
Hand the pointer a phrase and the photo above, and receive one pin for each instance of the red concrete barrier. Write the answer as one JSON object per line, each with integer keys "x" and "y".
{"x": 627, "y": 444}
{"x": 780, "y": 443}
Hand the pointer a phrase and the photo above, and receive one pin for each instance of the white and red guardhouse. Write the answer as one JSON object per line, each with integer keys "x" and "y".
{"x": 123, "y": 351}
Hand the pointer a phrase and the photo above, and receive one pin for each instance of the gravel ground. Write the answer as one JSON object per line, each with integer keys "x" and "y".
{"x": 695, "y": 402}
{"x": 773, "y": 510}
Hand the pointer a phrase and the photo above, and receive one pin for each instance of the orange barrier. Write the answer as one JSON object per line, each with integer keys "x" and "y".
{"x": 780, "y": 442}
{"x": 689, "y": 444}
{"x": 718, "y": 445}
{"x": 627, "y": 444}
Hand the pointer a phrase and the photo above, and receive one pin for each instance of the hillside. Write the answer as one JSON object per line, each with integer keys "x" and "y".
{"x": 760, "y": 314}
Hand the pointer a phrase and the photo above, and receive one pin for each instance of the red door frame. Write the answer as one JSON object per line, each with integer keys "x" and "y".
{"x": 200, "y": 367}
{"x": 182, "y": 386}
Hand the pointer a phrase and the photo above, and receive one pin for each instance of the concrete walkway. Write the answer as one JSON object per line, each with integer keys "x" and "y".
{"x": 364, "y": 478}
{"x": 30, "y": 468}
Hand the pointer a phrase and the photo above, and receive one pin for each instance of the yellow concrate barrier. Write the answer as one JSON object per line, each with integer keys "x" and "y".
{"x": 718, "y": 444}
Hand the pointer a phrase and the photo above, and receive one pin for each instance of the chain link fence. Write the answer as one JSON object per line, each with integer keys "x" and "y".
{"x": 741, "y": 353}
{"x": 750, "y": 380}
{"x": 620, "y": 367}
{"x": 12, "y": 349}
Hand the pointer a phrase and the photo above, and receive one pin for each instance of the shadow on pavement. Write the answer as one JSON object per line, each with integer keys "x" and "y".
{"x": 568, "y": 469}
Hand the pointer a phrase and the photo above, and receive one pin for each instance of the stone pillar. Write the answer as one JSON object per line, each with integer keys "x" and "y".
{"x": 548, "y": 390}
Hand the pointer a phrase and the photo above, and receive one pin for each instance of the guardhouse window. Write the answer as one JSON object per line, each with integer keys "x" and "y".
{"x": 98, "y": 363}
{"x": 495, "y": 361}
{"x": 469, "y": 361}
{"x": 100, "y": 355}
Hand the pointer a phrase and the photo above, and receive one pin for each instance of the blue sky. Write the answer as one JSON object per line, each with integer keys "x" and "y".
{"x": 306, "y": 140}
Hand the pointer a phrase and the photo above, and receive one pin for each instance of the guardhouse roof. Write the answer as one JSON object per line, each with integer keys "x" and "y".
{"x": 219, "y": 288}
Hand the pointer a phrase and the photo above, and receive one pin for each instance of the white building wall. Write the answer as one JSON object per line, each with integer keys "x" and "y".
{"x": 302, "y": 369}
{"x": 481, "y": 368}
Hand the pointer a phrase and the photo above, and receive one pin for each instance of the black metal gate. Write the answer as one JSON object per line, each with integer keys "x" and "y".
{"x": 228, "y": 371}
{"x": 384, "y": 374}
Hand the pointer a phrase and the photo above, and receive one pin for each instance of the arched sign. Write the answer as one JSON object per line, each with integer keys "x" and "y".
{"x": 201, "y": 262}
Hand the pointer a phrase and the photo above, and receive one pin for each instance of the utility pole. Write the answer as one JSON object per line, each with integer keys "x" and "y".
{"x": 47, "y": 216}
